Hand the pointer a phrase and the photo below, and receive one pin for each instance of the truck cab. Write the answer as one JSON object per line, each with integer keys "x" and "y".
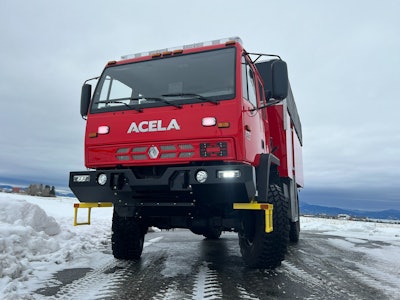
{"x": 175, "y": 137}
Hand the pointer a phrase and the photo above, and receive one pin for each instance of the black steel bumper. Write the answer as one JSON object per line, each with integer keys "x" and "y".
{"x": 124, "y": 187}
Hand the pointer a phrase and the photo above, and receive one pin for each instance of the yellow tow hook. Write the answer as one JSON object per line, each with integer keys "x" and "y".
{"x": 89, "y": 206}
{"x": 267, "y": 207}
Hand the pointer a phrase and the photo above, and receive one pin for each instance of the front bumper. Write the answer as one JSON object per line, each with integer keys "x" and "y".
{"x": 176, "y": 184}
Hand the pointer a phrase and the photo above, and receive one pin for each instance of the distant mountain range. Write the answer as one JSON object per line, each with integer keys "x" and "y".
{"x": 305, "y": 208}
{"x": 308, "y": 209}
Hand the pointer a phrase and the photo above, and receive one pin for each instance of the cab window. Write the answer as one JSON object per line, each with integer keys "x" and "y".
{"x": 248, "y": 83}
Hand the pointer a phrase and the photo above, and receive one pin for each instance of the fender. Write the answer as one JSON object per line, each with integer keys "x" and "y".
{"x": 263, "y": 173}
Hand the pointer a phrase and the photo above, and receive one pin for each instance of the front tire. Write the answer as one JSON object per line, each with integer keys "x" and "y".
{"x": 127, "y": 237}
{"x": 260, "y": 249}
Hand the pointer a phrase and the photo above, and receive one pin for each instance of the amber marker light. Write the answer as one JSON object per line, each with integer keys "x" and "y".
{"x": 229, "y": 43}
{"x": 224, "y": 125}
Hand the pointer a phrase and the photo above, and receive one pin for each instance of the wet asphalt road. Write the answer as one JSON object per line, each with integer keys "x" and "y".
{"x": 180, "y": 265}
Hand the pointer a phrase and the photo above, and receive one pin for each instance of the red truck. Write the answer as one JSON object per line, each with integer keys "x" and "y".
{"x": 205, "y": 137}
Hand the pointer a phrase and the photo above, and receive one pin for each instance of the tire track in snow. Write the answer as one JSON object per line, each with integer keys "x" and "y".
{"x": 303, "y": 276}
{"x": 96, "y": 284}
{"x": 338, "y": 266}
{"x": 320, "y": 287}
{"x": 372, "y": 277}
{"x": 152, "y": 241}
{"x": 206, "y": 285}
{"x": 322, "y": 274}
{"x": 244, "y": 294}
{"x": 172, "y": 270}
{"x": 172, "y": 292}
{"x": 202, "y": 284}
{"x": 101, "y": 282}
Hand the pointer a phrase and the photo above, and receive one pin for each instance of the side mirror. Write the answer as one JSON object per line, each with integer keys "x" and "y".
{"x": 280, "y": 80}
{"x": 85, "y": 99}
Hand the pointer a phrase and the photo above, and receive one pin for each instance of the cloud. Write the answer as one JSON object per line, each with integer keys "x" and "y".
{"x": 343, "y": 63}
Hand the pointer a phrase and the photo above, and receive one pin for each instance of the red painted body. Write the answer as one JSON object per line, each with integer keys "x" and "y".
{"x": 250, "y": 132}
{"x": 286, "y": 143}
{"x": 194, "y": 138}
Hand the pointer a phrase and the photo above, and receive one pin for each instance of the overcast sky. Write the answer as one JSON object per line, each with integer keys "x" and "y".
{"x": 343, "y": 59}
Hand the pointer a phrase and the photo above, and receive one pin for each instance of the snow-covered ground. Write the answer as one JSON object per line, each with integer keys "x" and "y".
{"x": 37, "y": 239}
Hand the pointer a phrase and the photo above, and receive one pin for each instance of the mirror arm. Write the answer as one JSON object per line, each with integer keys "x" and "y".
{"x": 273, "y": 102}
{"x": 94, "y": 78}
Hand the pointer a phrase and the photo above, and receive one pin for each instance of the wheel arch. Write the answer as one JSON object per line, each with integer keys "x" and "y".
{"x": 266, "y": 173}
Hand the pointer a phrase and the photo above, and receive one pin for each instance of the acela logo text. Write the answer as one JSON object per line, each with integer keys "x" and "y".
{"x": 152, "y": 126}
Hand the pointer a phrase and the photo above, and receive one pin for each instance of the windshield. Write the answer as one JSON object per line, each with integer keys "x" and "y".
{"x": 176, "y": 80}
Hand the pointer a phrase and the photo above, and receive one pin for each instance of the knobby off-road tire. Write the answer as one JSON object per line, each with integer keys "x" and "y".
{"x": 127, "y": 238}
{"x": 260, "y": 249}
{"x": 294, "y": 231}
{"x": 212, "y": 233}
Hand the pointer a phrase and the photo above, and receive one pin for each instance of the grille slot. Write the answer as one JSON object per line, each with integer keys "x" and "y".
{"x": 168, "y": 151}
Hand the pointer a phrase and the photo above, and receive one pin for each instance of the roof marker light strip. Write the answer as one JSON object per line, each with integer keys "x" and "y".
{"x": 178, "y": 49}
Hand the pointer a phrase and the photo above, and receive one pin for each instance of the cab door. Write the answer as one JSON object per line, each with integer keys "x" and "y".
{"x": 253, "y": 127}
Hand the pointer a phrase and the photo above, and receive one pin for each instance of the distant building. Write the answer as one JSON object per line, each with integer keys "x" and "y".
{"x": 16, "y": 190}
{"x": 344, "y": 217}
{"x": 40, "y": 190}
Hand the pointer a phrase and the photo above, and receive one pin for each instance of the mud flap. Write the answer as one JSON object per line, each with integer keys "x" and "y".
{"x": 263, "y": 173}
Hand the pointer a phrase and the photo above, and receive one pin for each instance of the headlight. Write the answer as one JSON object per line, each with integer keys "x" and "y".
{"x": 102, "y": 179}
{"x": 228, "y": 174}
{"x": 201, "y": 176}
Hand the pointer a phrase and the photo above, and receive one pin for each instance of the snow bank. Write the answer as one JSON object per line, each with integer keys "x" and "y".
{"x": 37, "y": 238}
{"x": 26, "y": 236}
{"x": 348, "y": 228}
{"x": 22, "y": 213}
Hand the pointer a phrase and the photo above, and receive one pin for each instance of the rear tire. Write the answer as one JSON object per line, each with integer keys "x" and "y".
{"x": 260, "y": 249}
{"x": 212, "y": 233}
{"x": 294, "y": 233}
{"x": 127, "y": 237}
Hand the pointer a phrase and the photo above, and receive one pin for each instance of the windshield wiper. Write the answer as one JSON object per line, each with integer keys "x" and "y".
{"x": 198, "y": 96}
{"x": 158, "y": 99}
{"x": 120, "y": 101}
